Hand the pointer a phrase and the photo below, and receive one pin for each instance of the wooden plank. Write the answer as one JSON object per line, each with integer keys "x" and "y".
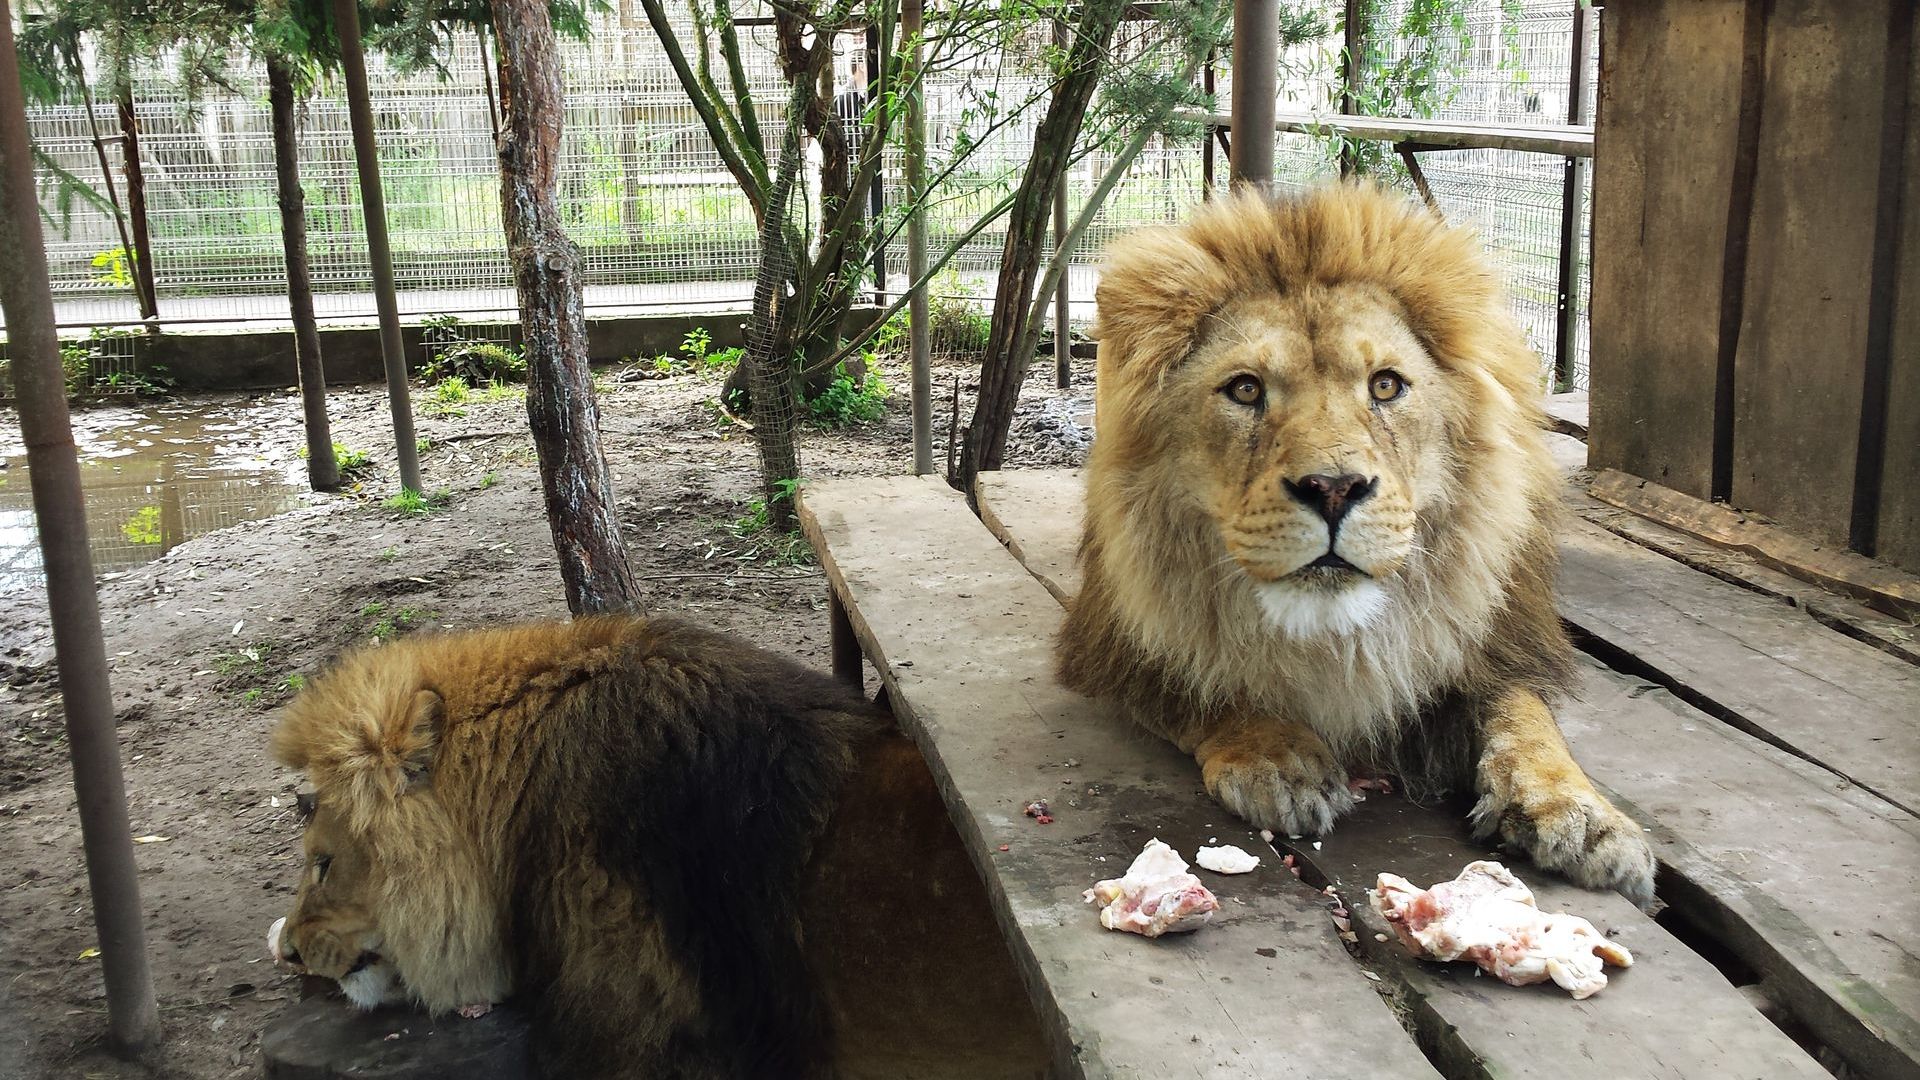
{"x": 1669, "y": 93}
{"x": 1568, "y": 413}
{"x": 1034, "y": 496}
{"x": 1898, "y": 539}
{"x": 1560, "y": 140}
{"x": 1670, "y": 1015}
{"x": 1803, "y": 334}
{"x": 961, "y": 636}
{"x": 1814, "y": 884}
{"x": 1842, "y": 614}
{"x": 1689, "y": 1021}
{"x": 1877, "y": 584}
{"x": 1755, "y": 662}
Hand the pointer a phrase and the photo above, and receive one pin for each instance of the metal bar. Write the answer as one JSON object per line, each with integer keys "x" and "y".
{"x": 1566, "y": 339}
{"x": 1256, "y": 88}
{"x": 1352, "y": 57}
{"x": 353, "y": 69}
{"x": 1207, "y": 137}
{"x": 1062, "y": 347}
{"x": 1429, "y": 134}
{"x": 876, "y": 191}
{"x": 920, "y": 338}
{"x": 53, "y": 470}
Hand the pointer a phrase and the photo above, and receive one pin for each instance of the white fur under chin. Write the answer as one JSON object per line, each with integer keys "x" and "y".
{"x": 375, "y": 985}
{"x": 1313, "y": 613}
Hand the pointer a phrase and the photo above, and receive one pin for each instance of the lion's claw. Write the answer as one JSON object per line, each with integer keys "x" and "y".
{"x": 1295, "y": 787}
{"x": 1578, "y": 833}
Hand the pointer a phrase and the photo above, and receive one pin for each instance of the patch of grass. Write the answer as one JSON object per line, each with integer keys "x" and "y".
{"x": 772, "y": 546}
{"x": 390, "y": 554}
{"x": 345, "y": 458}
{"x": 388, "y": 626}
{"x": 845, "y": 403}
{"x": 246, "y": 664}
{"x": 422, "y": 444}
{"x": 294, "y": 683}
{"x": 488, "y": 479}
{"x": 497, "y": 390}
{"x": 410, "y": 501}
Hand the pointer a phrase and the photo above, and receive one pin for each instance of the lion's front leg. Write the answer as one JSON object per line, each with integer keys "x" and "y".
{"x": 1535, "y": 796}
{"x": 1276, "y": 775}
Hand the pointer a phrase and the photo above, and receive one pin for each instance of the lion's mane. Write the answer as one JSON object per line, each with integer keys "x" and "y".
{"x": 1167, "y": 626}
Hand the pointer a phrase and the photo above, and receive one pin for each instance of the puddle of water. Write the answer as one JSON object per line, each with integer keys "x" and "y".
{"x": 155, "y": 476}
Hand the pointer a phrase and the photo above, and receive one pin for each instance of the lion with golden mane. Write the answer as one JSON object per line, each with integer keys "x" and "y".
{"x": 1319, "y": 534}
{"x": 652, "y": 835}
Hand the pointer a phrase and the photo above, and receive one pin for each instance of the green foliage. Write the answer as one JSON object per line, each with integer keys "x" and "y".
{"x": 846, "y": 402}
{"x": 143, "y": 527}
{"x": 474, "y": 362}
{"x": 772, "y": 546}
{"x": 451, "y": 390}
{"x": 345, "y": 458}
{"x": 955, "y": 326}
{"x": 411, "y": 502}
{"x": 387, "y": 555}
{"x": 114, "y": 267}
{"x": 488, "y": 479}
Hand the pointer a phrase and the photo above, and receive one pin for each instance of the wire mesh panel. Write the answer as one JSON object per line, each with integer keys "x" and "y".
{"x": 661, "y": 223}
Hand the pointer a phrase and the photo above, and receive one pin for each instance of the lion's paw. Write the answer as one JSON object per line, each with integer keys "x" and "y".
{"x": 1287, "y": 781}
{"x": 1575, "y": 832}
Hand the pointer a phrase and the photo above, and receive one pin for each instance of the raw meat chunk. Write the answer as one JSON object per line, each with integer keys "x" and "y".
{"x": 1157, "y": 896}
{"x": 1488, "y": 917}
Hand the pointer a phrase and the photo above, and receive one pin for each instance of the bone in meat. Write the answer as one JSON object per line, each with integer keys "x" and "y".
{"x": 1157, "y": 895}
{"x": 1487, "y": 916}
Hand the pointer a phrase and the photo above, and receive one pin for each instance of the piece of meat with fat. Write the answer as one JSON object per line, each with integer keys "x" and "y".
{"x": 1488, "y": 917}
{"x": 1156, "y": 896}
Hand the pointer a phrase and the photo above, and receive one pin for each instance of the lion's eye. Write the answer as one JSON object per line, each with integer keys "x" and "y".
{"x": 320, "y": 866}
{"x": 1387, "y": 385}
{"x": 1244, "y": 390}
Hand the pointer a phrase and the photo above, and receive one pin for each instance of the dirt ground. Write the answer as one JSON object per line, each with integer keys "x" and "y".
{"x": 206, "y": 641}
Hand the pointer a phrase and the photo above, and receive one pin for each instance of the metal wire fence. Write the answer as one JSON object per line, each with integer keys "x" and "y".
{"x": 659, "y": 221}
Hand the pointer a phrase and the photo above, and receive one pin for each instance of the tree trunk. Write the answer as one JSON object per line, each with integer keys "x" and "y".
{"x": 771, "y": 335}
{"x": 142, "y": 254}
{"x": 323, "y": 472}
{"x": 1004, "y": 369}
{"x": 53, "y": 470}
{"x": 546, "y": 272}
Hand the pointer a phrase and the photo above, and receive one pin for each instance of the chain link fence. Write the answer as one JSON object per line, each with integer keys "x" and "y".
{"x": 659, "y": 221}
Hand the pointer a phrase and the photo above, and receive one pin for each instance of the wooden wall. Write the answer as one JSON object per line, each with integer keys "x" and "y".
{"x": 1756, "y": 260}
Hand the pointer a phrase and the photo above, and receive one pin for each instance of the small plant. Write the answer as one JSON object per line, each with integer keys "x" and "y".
{"x": 449, "y": 394}
{"x": 386, "y": 626}
{"x": 390, "y": 554}
{"x": 696, "y": 344}
{"x": 76, "y": 365}
{"x": 500, "y": 391}
{"x": 422, "y": 444}
{"x": 409, "y": 501}
{"x": 143, "y": 527}
{"x": 845, "y": 403}
{"x": 294, "y": 683}
{"x": 114, "y": 267}
{"x": 488, "y": 479}
{"x": 345, "y": 458}
{"x": 477, "y": 363}
{"x": 773, "y": 548}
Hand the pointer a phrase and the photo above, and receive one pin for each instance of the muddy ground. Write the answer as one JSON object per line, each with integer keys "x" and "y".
{"x": 207, "y": 642}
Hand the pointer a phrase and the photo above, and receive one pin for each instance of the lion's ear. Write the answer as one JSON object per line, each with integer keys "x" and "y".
{"x": 423, "y": 717}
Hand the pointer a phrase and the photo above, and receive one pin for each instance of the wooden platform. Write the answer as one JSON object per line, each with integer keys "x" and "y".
{"x": 1773, "y": 758}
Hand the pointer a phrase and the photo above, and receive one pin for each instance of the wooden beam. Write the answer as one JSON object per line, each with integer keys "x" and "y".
{"x": 1560, "y": 141}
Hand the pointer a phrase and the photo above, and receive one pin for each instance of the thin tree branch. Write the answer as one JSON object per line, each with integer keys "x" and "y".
{"x": 754, "y": 183}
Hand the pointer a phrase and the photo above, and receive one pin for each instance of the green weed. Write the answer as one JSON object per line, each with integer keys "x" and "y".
{"x": 143, "y": 527}
{"x": 409, "y": 501}
{"x": 845, "y": 403}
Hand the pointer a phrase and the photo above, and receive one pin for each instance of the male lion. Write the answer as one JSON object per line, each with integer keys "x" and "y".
{"x": 629, "y": 823}
{"x": 1319, "y": 524}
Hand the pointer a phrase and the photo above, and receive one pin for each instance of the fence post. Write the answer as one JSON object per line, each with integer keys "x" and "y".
{"x": 1256, "y": 85}
{"x": 1354, "y": 34}
{"x": 1207, "y": 133}
{"x": 919, "y": 340}
{"x": 53, "y": 469}
{"x": 1062, "y": 346}
{"x": 877, "y": 190}
{"x": 1568, "y": 329}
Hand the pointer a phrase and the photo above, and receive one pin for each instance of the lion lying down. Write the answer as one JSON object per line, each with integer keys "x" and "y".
{"x": 1319, "y": 524}
{"x": 628, "y": 823}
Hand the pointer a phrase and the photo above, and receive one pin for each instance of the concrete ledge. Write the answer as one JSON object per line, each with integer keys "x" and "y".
{"x": 325, "y": 1038}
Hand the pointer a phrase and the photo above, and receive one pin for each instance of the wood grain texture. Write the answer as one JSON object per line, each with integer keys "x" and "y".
{"x": 1803, "y": 332}
{"x": 961, "y": 636}
{"x": 1665, "y": 140}
{"x": 1899, "y": 526}
{"x": 1752, "y": 660}
{"x": 1877, "y": 584}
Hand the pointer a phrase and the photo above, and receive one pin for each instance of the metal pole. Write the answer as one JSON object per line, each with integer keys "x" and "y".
{"x": 876, "y": 191}
{"x": 1206, "y": 138}
{"x": 1256, "y": 89}
{"x": 1351, "y": 65}
{"x": 1566, "y": 341}
{"x": 353, "y": 68}
{"x": 1062, "y": 346}
{"x": 53, "y": 469}
{"x": 919, "y": 339}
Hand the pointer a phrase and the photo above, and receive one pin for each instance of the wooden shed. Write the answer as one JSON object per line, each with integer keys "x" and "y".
{"x": 1756, "y": 261}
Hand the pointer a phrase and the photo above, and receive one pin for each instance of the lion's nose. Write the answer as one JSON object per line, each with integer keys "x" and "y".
{"x": 1332, "y": 496}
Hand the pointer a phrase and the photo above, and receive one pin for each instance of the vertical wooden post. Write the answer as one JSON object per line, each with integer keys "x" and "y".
{"x": 1352, "y": 64}
{"x": 919, "y": 341}
{"x": 845, "y": 646}
{"x": 1566, "y": 341}
{"x": 142, "y": 253}
{"x": 353, "y": 70}
{"x": 323, "y": 472}
{"x": 53, "y": 469}
{"x": 1207, "y": 133}
{"x": 1062, "y": 293}
{"x": 1256, "y": 86}
{"x": 106, "y": 178}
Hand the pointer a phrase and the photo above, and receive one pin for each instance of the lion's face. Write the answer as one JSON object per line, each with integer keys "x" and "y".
{"x": 333, "y": 929}
{"x": 1314, "y": 425}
